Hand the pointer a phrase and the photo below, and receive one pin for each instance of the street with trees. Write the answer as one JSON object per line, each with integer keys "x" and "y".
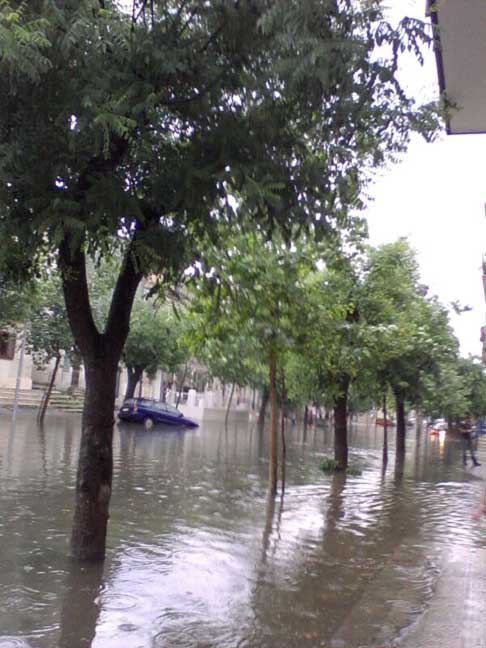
{"x": 129, "y": 131}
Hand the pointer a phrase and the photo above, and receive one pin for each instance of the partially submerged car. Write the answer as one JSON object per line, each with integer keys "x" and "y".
{"x": 151, "y": 412}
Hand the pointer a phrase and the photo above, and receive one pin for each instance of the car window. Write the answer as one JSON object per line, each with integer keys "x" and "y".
{"x": 165, "y": 407}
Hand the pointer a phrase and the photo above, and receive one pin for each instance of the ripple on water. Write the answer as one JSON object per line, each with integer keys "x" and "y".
{"x": 118, "y": 601}
{"x": 166, "y": 639}
{"x": 13, "y": 642}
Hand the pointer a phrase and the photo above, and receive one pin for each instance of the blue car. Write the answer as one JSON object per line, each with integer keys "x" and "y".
{"x": 151, "y": 412}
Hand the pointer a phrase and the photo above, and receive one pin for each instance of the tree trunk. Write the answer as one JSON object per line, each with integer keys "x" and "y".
{"x": 282, "y": 436}
{"x": 93, "y": 483}
{"x": 273, "y": 440}
{"x": 401, "y": 427}
{"x": 101, "y": 354}
{"x": 263, "y": 405}
{"x": 181, "y": 387}
{"x": 230, "y": 399}
{"x": 340, "y": 424}
{"x": 76, "y": 368}
{"x": 385, "y": 431}
{"x": 47, "y": 394}
{"x": 133, "y": 374}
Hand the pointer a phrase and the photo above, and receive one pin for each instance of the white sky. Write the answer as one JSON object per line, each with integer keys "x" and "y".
{"x": 436, "y": 197}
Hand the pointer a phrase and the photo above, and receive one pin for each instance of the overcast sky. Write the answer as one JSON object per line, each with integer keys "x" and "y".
{"x": 436, "y": 197}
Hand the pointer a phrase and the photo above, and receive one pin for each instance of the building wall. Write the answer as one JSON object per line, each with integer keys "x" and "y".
{"x": 9, "y": 369}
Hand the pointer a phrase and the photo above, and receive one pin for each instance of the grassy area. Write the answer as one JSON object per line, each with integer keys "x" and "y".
{"x": 330, "y": 466}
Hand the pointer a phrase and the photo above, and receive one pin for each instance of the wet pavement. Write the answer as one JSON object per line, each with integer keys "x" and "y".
{"x": 456, "y": 614}
{"x": 198, "y": 557}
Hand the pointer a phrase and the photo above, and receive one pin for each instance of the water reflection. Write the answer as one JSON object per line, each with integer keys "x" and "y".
{"x": 81, "y": 592}
{"x": 199, "y": 556}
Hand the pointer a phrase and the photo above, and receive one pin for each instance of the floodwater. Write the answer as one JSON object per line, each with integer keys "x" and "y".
{"x": 199, "y": 558}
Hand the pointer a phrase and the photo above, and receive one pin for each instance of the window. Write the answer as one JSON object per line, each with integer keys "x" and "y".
{"x": 7, "y": 345}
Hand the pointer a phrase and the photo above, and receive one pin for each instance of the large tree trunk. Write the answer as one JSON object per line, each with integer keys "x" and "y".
{"x": 273, "y": 440}
{"x": 101, "y": 354}
{"x": 341, "y": 424}
{"x": 401, "y": 426}
{"x": 133, "y": 375}
{"x": 93, "y": 483}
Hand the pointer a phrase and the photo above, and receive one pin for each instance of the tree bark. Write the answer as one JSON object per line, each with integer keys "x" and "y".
{"x": 76, "y": 367}
{"x": 282, "y": 436}
{"x": 273, "y": 440}
{"x": 181, "y": 387}
{"x": 95, "y": 467}
{"x": 101, "y": 354}
{"x": 385, "y": 431}
{"x": 263, "y": 406}
{"x": 133, "y": 374}
{"x": 228, "y": 407}
{"x": 401, "y": 427}
{"x": 48, "y": 392}
{"x": 341, "y": 424}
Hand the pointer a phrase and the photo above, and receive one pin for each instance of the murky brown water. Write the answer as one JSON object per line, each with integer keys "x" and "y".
{"x": 199, "y": 559}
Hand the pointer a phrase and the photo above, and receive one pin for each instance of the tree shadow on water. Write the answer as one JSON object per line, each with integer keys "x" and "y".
{"x": 81, "y": 604}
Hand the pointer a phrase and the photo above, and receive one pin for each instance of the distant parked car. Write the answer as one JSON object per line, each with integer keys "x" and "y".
{"x": 438, "y": 425}
{"x": 151, "y": 412}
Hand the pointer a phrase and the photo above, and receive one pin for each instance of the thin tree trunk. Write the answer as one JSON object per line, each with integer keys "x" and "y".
{"x": 179, "y": 391}
{"x": 282, "y": 435}
{"x": 94, "y": 478}
{"x": 273, "y": 441}
{"x": 47, "y": 395}
{"x": 229, "y": 404}
{"x": 401, "y": 427}
{"x": 385, "y": 431}
{"x": 340, "y": 424}
{"x": 76, "y": 368}
{"x": 263, "y": 405}
{"x": 133, "y": 374}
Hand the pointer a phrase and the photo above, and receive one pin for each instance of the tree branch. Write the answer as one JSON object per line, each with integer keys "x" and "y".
{"x": 72, "y": 262}
{"x": 118, "y": 324}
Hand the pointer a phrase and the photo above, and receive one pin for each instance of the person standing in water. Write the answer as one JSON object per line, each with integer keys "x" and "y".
{"x": 466, "y": 431}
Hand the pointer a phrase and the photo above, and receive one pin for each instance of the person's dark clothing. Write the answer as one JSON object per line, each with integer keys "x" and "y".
{"x": 467, "y": 443}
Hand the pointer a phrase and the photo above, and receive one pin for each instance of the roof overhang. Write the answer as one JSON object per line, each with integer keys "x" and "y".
{"x": 461, "y": 61}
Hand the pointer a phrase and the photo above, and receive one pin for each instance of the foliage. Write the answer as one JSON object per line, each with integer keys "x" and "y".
{"x": 48, "y": 330}
{"x": 331, "y": 466}
{"x": 154, "y": 339}
{"x": 146, "y": 123}
{"x": 253, "y": 298}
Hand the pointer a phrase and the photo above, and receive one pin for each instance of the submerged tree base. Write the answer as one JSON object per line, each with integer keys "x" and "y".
{"x": 331, "y": 466}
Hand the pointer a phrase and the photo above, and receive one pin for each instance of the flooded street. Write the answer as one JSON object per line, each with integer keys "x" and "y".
{"x": 197, "y": 556}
